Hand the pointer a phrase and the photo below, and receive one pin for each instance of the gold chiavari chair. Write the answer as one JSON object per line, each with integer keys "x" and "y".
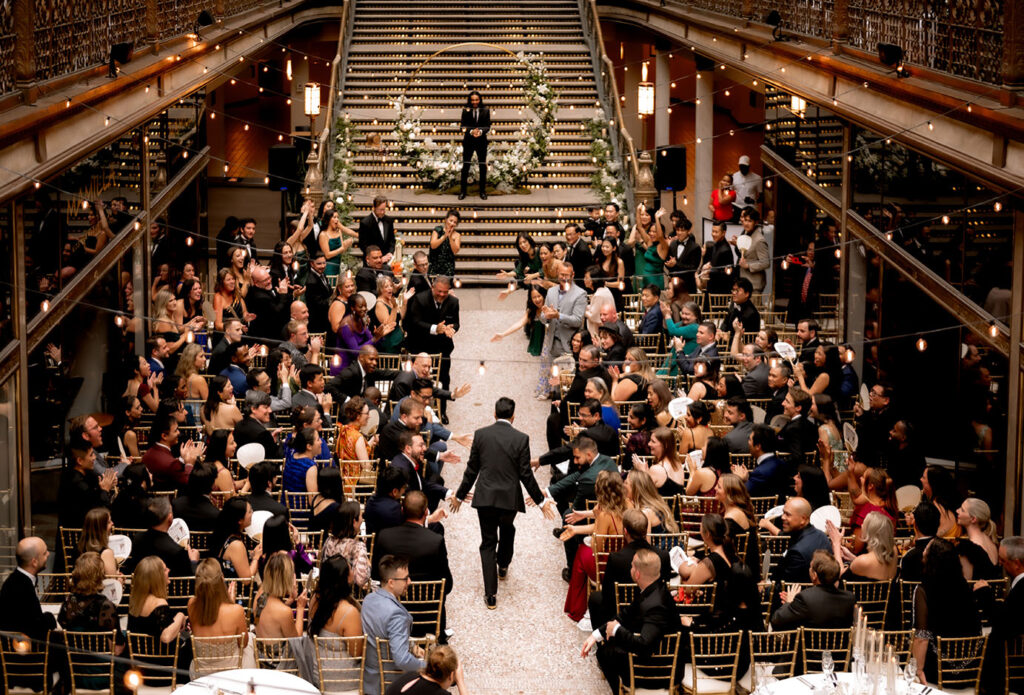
{"x": 714, "y": 659}
{"x": 23, "y": 663}
{"x": 959, "y": 662}
{"x": 624, "y": 595}
{"x": 762, "y": 505}
{"x": 53, "y": 587}
{"x": 873, "y": 597}
{"x": 425, "y": 602}
{"x": 901, "y": 641}
{"x": 90, "y": 659}
{"x": 1013, "y": 653}
{"x": 655, "y": 672}
{"x": 667, "y": 541}
{"x": 213, "y": 654}
{"x": 155, "y": 659}
{"x": 695, "y": 599}
{"x": 778, "y": 649}
{"x": 907, "y": 589}
{"x": 387, "y": 669}
{"x": 814, "y": 642}
{"x": 767, "y": 591}
{"x": 340, "y": 663}
{"x": 275, "y": 654}
{"x": 300, "y": 507}
{"x": 745, "y": 460}
{"x": 776, "y": 547}
{"x": 650, "y": 342}
{"x": 179, "y": 591}
{"x": 603, "y": 546}
{"x": 69, "y": 544}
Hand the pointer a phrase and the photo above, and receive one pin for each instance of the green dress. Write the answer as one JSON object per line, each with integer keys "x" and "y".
{"x": 654, "y": 267}
{"x": 533, "y": 267}
{"x": 390, "y": 343}
{"x": 536, "y": 338}
{"x": 442, "y": 259}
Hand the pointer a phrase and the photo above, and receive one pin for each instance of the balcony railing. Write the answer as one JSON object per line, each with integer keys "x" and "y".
{"x": 960, "y": 37}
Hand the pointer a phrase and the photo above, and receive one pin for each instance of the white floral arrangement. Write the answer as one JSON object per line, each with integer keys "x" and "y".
{"x": 342, "y": 183}
{"x": 508, "y": 165}
{"x": 606, "y": 181}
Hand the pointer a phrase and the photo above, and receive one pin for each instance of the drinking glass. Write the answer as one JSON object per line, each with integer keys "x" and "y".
{"x": 827, "y": 665}
{"x": 910, "y": 672}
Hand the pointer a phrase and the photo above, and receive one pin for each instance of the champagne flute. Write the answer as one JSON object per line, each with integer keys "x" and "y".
{"x": 827, "y": 665}
{"x": 910, "y": 672}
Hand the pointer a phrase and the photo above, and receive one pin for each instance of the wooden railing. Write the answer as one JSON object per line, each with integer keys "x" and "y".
{"x": 321, "y": 161}
{"x": 609, "y": 91}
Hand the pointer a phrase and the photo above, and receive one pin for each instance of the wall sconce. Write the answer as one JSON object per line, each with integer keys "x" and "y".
{"x": 645, "y": 94}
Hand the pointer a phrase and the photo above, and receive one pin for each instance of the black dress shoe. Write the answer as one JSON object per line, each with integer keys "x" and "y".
{"x": 566, "y": 574}
{"x": 491, "y": 601}
{"x": 483, "y": 196}
{"x": 502, "y": 572}
{"x": 557, "y": 532}
{"x": 462, "y": 196}
{"x": 444, "y": 418}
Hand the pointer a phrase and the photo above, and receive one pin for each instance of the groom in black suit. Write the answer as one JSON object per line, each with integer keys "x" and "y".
{"x": 377, "y": 229}
{"x": 431, "y": 322}
{"x": 500, "y": 457}
{"x": 476, "y": 121}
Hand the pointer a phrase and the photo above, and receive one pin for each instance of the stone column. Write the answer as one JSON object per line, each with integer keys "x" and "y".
{"x": 853, "y": 270}
{"x": 703, "y": 181}
{"x": 25, "y": 48}
{"x": 1015, "y": 388}
{"x": 632, "y": 122}
{"x": 662, "y": 79}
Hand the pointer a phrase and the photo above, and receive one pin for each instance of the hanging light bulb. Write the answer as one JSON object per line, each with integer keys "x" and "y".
{"x": 554, "y": 370}
{"x": 785, "y": 264}
{"x": 482, "y": 369}
{"x": 998, "y": 207}
{"x": 512, "y": 286}
{"x": 993, "y": 329}
{"x": 263, "y": 351}
{"x": 336, "y": 361}
{"x": 700, "y": 369}
{"x": 728, "y": 270}
{"x": 407, "y": 367}
{"x": 132, "y": 679}
{"x": 22, "y": 646}
{"x": 458, "y": 283}
{"x": 188, "y": 241}
{"x": 773, "y": 362}
{"x": 921, "y": 344}
{"x": 45, "y": 306}
{"x": 625, "y": 369}
{"x": 839, "y": 253}
{"x": 849, "y": 355}
{"x": 622, "y": 284}
{"x": 945, "y": 219}
{"x": 119, "y": 321}
{"x": 190, "y": 337}
{"x": 888, "y": 236}
{"x": 295, "y": 266}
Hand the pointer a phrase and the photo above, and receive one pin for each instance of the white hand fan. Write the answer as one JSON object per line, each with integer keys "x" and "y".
{"x": 743, "y": 243}
{"x": 121, "y": 545}
{"x": 178, "y": 532}
{"x": 677, "y": 406}
{"x": 865, "y": 402}
{"x": 786, "y": 351}
{"x": 255, "y": 528}
{"x": 113, "y": 590}
{"x": 850, "y": 437}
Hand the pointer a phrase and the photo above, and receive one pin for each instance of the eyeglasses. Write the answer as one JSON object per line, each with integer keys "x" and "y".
{"x": 400, "y": 579}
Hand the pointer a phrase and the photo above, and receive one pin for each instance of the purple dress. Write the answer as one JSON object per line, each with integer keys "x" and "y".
{"x": 350, "y": 342}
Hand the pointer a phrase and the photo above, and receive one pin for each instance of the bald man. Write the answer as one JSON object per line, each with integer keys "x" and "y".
{"x": 402, "y": 385}
{"x": 22, "y": 612}
{"x": 267, "y": 302}
{"x": 804, "y": 539}
{"x": 298, "y": 311}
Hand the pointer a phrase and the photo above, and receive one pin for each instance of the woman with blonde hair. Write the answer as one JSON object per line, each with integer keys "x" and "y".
{"x": 644, "y": 496}
{"x": 240, "y": 266}
{"x": 878, "y": 562}
{"x": 636, "y": 377}
{"x": 148, "y": 611}
{"x": 96, "y": 535}
{"x": 227, "y": 299}
{"x": 191, "y": 363}
{"x": 273, "y": 611}
{"x": 169, "y": 324}
{"x": 441, "y": 673}
{"x": 607, "y": 521}
{"x": 338, "y": 309}
{"x": 658, "y": 395}
{"x": 979, "y": 543}
{"x": 213, "y": 613}
{"x": 740, "y": 520}
{"x": 667, "y": 469}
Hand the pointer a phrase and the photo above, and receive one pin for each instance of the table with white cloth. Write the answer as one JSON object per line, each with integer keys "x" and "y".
{"x": 816, "y": 682}
{"x": 264, "y": 682}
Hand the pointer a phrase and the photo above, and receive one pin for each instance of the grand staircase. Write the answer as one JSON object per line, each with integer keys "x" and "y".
{"x": 390, "y": 39}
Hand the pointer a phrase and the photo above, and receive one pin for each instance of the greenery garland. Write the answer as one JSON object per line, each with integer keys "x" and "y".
{"x": 606, "y": 180}
{"x": 508, "y": 165}
{"x": 342, "y": 183}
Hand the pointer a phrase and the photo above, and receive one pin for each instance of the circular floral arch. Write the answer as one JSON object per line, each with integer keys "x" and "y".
{"x": 509, "y": 165}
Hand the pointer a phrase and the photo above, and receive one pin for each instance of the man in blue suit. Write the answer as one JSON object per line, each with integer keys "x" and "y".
{"x": 653, "y": 320}
{"x": 771, "y": 476}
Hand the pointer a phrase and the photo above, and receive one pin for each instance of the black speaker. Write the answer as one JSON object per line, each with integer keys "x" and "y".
{"x": 284, "y": 168}
{"x": 670, "y": 169}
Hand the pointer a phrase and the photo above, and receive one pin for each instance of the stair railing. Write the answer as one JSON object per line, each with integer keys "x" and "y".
{"x": 608, "y": 92}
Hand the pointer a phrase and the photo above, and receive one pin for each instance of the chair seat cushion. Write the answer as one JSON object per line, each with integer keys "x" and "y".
{"x": 705, "y": 684}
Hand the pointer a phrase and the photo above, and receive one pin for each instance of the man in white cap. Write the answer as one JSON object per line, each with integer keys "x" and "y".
{"x": 747, "y": 185}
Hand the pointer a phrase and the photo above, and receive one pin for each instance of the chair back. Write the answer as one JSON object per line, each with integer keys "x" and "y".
{"x": 844, "y": 502}
{"x": 1014, "y": 659}
{"x": 604, "y": 546}
{"x": 745, "y": 460}
{"x": 691, "y": 511}
{"x": 667, "y": 541}
{"x": 713, "y": 657}
{"x": 907, "y": 590}
{"x": 179, "y": 591}
{"x": 650, "y": 342}
{"x": 656, "y": 671}
{"x": 624, "y": 595}
{"x": 200, "y": 540}
{"x": 53, "y": 587}
{"x": 340, "y": 663}
{"x": 149, "y": 651}
{"x": 695, "y": 599}
{"x": 386, "y": 665}
{"x": 873, "y": 597}
{"x": 777, "y": 649}
{"x": 816, "y": 641}
{"x": 761, "y": 505}
{"x": 425, "y": 600}
{"x": 244, "y": 591}
{"x": 275, "y": 654}
{"x": 69, "y": 544}
{"x": 91, "y": 659}
{"x": 901, "y": 642}
{"x": 300, "y": 507}
{"x": 767, "y": 591}
{"x": 775, "y": 547}
{"x": 23, "y": 663}
{"x": 960, "y": 660}
{"x": 213, "y": 654}
{"x": 625, "y": 406}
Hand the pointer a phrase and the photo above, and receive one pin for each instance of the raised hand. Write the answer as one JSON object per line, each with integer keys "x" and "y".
{"x": 449, "y": 457}
{"x": 462, "y": 390}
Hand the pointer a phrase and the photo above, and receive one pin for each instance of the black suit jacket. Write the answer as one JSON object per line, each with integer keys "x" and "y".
{"x": 21, "y": 611}
{"x": 603, "y": 434}
{"x": 369, "y": 234}
{"x": 423, "y": 313}
{"x": 650, "y": 616}
{"x": 351, "y": 382}
{"x": 755, "y": 384}
{"x": 775, "y": 407}
{"x": 425, "y": 549}
{"x": 77, "y": 494}
{"x": 816, "y": 607}
{"x": 795, "y": 563}
{"x": 912, "y": 562}
{"x": 483, "y": 122}
{"x": 198, "y": 513}
{"x": 402, "y": 386}
{"x": 153, "y": 542}
{"x": 249, "y": 429}
{"x": 220, "y": 357}
{"x": 420, "y": 480}
{"x": 270, "y": 309}
{"x": 499, "y": 461}
{"x": 581, "y": 258}
{"x": 719, "y": 281}
{"x": 387, "y": 444}
{"x": 1008, "y": 622}
{"x": 617, "y": 571}
{"x": 797, "y": 437}
{"x": 366, "y": 278}
{"x": 318, "y": 300}
{"x": 266, "y": 503}
{"x": 687, "y": 255}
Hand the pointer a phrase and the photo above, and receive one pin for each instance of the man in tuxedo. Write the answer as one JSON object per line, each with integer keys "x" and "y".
{"x": 653, "y": 321}
{"x": 411, "y": 461}
{"x": 377, "y": 229}
{"x": 431, "y": 322}
{"x": 261, "y": 479}
{"x": 563, "y": 313}
{"x": 754, "y": 262}
{"x": 755, "y": 379}
{"x": 362, "y": 372}
{"x": 246, "y": 238}
{"x": 601, "y": 603}
{"x": 804, "y": 539}
{"x": 269, "y": 304}
{"x": 778, "y": 385}
{"x": 410, "y": 418}
{"x": 425, "y": 549}
{"x": 238, "y": 369}
{"x": 1010, "y": 619}
{"x": 874, "y": 425}
{"x": 476, "y": 122}
{"x": 253, "y": 426}
{"x": 318, "y": 294}
{"x": 194, "y": 506}
{"x": 684, "y": 257}
{"x": 373, "y": 269}
{"x": 577, "y": 253}
{"x": 721, "y": 260}
{"x": 706, "y": 352}
{"x": 925, "y": 521}
{"x": 423, "y": 393}
{"x": 418, "y": 279}
{"x": 822, "y": 606}
{"x": 421, "y": 364}
{"x": 742, "y": 311}
{"x": 22, "y": 612}
{"x": 771, "y": 476}
{"x": 180, "y": 560}
{"x": 81, "y": 489}
{"x": 903, "y": 460}
{"x": 499, "y": 462}
{"x": 220, "y": 357}
{"x": 311, "y": 394}
{"x": 807, "y": 332}
{"x": 384, "y": 509}
{"x": 169, "y": 471}
{"x": 639, "y": 627}
{"x": 800, "y": 434}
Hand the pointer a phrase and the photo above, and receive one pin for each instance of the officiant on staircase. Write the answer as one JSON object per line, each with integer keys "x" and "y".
{"x": 476, "y": 121}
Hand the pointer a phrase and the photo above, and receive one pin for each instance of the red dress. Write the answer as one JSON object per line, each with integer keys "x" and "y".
{"x": 584, "y": 567}
{"x": 723, "y": 211}
{"x": 862, "y": 510}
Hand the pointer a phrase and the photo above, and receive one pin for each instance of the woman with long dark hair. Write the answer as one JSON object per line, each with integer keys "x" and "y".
{"x": 343, "y": 539}
{"x": 329, "y": 495}
{"x": 530, "y": 323}
{"x": 738, "y": 511}
{"x": 527, "y": 263}
{"x": 281, "y": 536}
{"x": 228, "y": 540}
{"x": 219, "y": 412}
{"x": 641, "y": 419}
{"x": 704, "y": 480}
{"x": 130, "y": 507}
{"x": 220, "y": 449}
{"x": 334, "y": 612}
{"x": 335, "y": 240}
{"x": 355, "y": 332}
{"x": 938, "y": 487}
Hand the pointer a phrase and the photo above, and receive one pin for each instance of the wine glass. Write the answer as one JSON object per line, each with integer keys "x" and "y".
{"x": 827, "y": 665}
{"x": 910, "y": 672}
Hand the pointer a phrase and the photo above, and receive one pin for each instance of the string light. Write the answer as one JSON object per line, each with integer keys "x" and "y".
{"x": 998, "y": 207}
{"x": 993, "y": 329}
{"x": 190, "y": 337}
{"x": 554, "y": 370}
{"x": 921, "y": 344}
{"x": 45, "y": 306}
{"x": 512, "y": 286}
{"x": 458, "y": 283}
{"x": 700, "y": 369}
{"x": 849, "y": 355}
{"x": 482, "y": 369}
{"x": 263, "y": 351}
{"x": 132, "y": 679}
{"x": 336, "y": 361}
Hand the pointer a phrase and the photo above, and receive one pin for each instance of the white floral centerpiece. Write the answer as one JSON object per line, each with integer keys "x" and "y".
{"x": 509, "y": 165}
{"x": 342, "y": 184}
{"x": 606, "y": 181}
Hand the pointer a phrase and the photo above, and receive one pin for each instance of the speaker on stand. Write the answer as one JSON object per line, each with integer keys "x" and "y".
{"x": 670, "y": 170}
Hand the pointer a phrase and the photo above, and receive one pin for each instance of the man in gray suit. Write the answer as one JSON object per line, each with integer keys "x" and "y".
{"x": 564, "y": 309}
{"x": 754, "y": 261}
